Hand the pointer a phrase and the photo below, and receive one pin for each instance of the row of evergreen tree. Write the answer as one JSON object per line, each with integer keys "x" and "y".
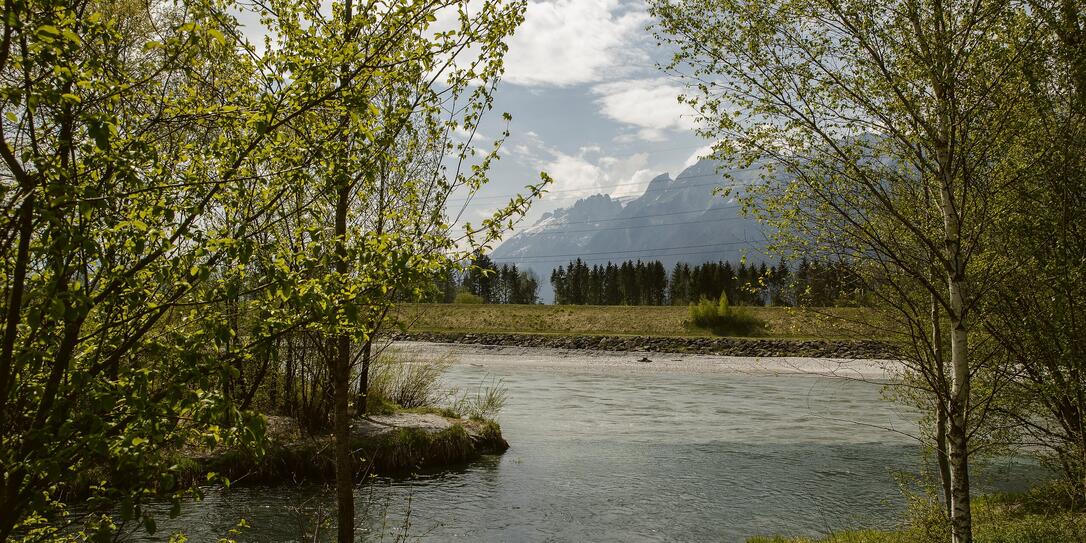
{"x": 489, "y": 283}
{"x": 648, "y": 283}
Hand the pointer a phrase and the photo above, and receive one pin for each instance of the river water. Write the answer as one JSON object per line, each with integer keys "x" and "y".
{"x": 607, "y": 448}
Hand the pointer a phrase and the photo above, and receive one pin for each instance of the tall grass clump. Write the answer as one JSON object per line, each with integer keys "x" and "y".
{"x": 723, "y": 320}
{"x": 483, "y": 404}
{"x": 405, "y": 381}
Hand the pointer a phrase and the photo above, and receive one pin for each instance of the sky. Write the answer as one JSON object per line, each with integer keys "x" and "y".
{"x": 589, "y": 107}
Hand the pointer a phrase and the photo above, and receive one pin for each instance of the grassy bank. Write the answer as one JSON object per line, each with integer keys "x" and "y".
{"x": 1043, "y": 515}
{"x": 384, "y": 447}
{"x": 411, "y": 423}
{"x": 781, "y": 322}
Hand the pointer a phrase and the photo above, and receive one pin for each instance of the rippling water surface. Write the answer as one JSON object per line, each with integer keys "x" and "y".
{"x": 616, "y": 455}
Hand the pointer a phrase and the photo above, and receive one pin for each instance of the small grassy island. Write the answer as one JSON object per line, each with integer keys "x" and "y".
{"x": 411, "y": 423}
{"x": 394, "y": 443}
{"x": 439, "y": 428}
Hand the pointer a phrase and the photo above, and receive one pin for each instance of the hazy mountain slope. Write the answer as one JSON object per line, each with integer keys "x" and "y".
{"x": 674, "y": 220}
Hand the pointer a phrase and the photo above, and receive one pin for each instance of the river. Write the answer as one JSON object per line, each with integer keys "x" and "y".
{"x": 605, "y": 447}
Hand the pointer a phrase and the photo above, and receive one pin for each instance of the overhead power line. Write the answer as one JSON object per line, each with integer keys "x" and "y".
{"x": 639, "y": 257}
{"x": 600, "y": 188}
{"x": 631, "y": 227}
{"x": 652, "y": 215}
{"x": 583, "y": 255}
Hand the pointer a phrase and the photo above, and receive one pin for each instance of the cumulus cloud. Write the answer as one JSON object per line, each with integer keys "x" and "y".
{"x": 571, "y": 42}
{"x": 702, "y": 152}
{"x": 585, "y": 172}
{"x": 650, "y": 106}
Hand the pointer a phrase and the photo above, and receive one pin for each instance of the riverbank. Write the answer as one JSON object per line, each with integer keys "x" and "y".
{"x": 743, "y": 347}
{"x": 1042, "y": 515}
{"x": 500, "y": 359}
{"x": 831, "y": 323}
{"x": 387, "y": 444}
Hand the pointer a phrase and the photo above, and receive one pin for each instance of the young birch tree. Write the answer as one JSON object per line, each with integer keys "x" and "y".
{"x": 891, "y": 131}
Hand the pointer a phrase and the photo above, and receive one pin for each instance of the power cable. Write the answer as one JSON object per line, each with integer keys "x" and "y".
{"x": 601, "y": 187}
{"x": 610, "y": 259}
{"x": 556, "y": 232}
{"x": 596, "y": 253}
{"x": 653, "y": 215}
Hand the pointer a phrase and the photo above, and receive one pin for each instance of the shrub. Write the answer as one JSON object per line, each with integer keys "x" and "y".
{"x": 407, "y": 382}
{"x": 723, "y": 320}
{"x": 487, "y": 401}
{"x": 465, "y": 297}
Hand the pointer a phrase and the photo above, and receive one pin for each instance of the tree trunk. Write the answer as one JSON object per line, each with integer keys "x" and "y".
{"x": 342, "y": 431}
{"x": 942, "y": 453}
{"x": 341, "y": 378}
{"x": 11, "y": 502}
{"x": 341, "y": 386}
{"x": 367, "y": 348}
{"x": 15, "y": 304}
{"x": 364, "y": 376}
{"x": 958, "y": 401}
{"x": 288, "y": 402}
{"x": 961, "y": 522}
{"x": 958, "y": 406}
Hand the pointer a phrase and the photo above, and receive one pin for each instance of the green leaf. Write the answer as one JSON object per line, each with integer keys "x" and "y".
{"x": 101, "y": 132}
{"x": 149, "y": 524}
{"x": 217, "y": 35}
{"x": 72, "y": 37}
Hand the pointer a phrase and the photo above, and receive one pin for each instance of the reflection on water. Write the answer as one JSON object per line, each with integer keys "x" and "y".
{"x": 630, "y": 456}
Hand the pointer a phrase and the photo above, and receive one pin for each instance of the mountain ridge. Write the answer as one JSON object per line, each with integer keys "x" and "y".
{"x": 675, "y": 220}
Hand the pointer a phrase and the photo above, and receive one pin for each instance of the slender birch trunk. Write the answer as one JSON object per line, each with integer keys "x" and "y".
{"x": 958, "y": 404}
{"x": 942, "y": 451}
{"x": 961, "y": 518}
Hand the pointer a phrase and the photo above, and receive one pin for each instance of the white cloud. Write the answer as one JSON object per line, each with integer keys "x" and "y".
{"x": 701, "y": 153}
{"x": 649, "y": 106}
{"x": 574, "y": 175}
{"x": 571, "y": 42}
{"x": 585, "y": 172}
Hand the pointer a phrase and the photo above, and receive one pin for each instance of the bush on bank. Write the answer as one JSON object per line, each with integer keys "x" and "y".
{"x": 723, "y": 320}
{"x": 1045, "y": 514}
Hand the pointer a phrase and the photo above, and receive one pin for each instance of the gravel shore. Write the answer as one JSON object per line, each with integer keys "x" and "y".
{"x": 645, "y": 361}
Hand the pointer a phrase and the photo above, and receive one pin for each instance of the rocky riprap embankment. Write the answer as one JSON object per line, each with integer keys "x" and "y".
{"x": 754, "y": 347}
